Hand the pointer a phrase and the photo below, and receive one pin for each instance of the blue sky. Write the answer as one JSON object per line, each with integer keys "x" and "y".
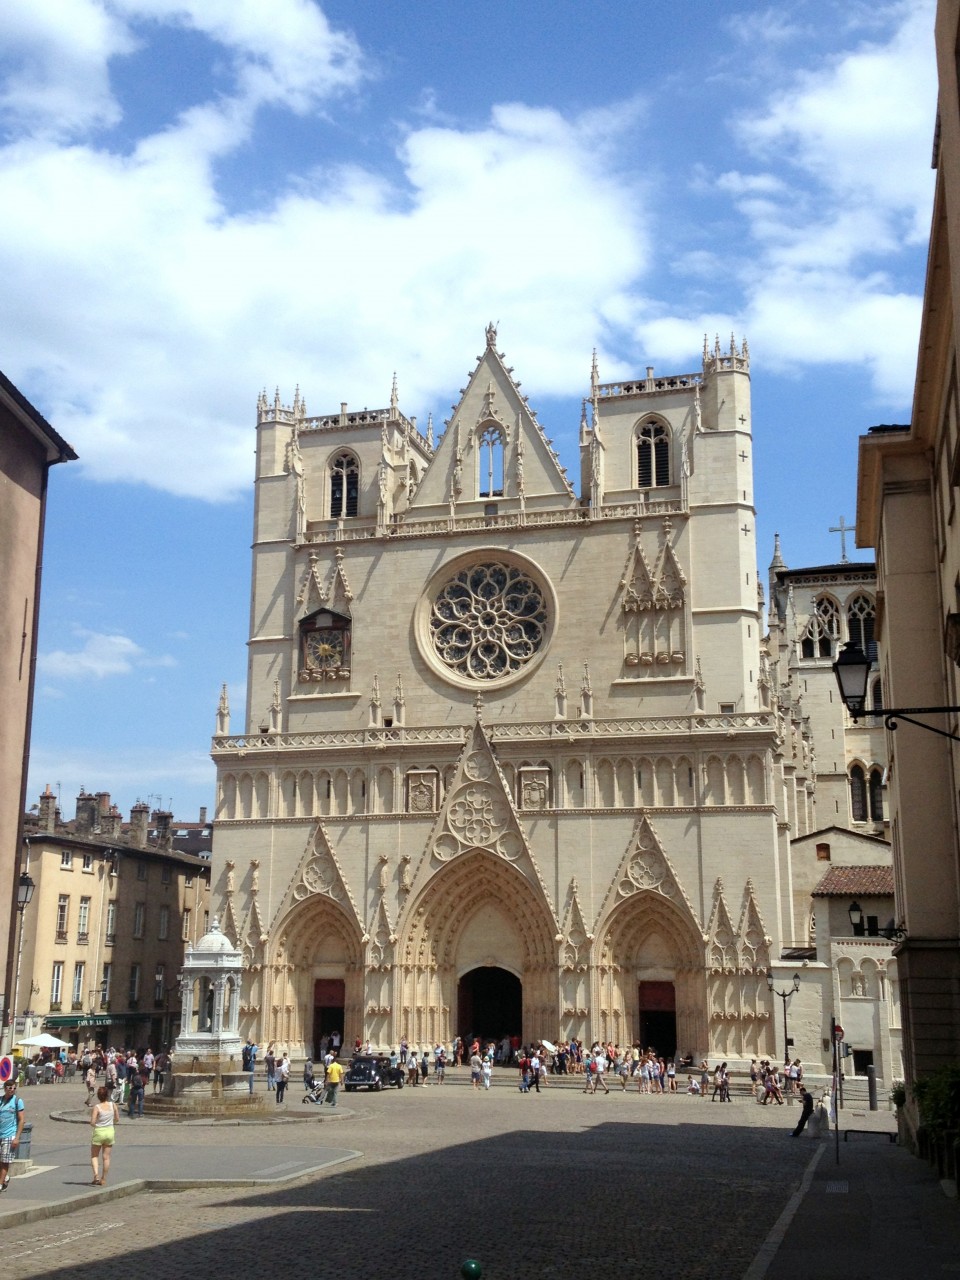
{"x": 206, "y": 197}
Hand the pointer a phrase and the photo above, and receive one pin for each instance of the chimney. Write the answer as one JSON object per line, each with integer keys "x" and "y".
{"x": 111, "y": 823}
{"x": 48, "y": 811}
{"x": 203, "y": 815}
{"x": 139, "y": 823}
{"x": 87, "y": 813}
{"x": 162, "y": 821}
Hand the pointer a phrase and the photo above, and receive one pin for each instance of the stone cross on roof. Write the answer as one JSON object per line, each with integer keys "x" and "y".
{"x": 843, "y": 529}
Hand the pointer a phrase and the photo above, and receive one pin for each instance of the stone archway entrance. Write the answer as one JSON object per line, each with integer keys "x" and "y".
{"x": 658, "y": 1017}
{"x": 489, "y": 1004}
{"x": 653, "y": 981}
{"x": 480, "y": 914}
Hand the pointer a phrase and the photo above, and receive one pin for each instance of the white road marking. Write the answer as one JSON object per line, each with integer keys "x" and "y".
{"x": 59, "y": 1239}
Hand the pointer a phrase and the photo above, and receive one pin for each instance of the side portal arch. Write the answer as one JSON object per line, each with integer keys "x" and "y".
{"x": 316, "y": 943}
{"x": 652, "y": 977}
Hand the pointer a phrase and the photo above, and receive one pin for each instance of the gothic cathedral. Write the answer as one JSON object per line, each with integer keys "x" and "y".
{"x": 513, "y": 760}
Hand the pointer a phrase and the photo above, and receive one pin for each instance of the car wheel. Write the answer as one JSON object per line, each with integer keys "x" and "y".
{"x": 378, "y": 1086}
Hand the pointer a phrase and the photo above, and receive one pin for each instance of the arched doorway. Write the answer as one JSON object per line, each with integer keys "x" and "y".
{"x": 652, "y": 982}
{"x": 489, "y": 1004}
{"x": 658, "y": 1017}
{"x": 478, "y": 912}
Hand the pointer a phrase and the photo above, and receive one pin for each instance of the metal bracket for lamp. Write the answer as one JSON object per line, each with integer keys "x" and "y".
{"x": 852, "y": 671}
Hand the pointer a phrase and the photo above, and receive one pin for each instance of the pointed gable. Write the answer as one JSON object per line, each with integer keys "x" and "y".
{"x": 494, "y": 450}
{"x": 645, "y": 868}
{"x": 637, "y": 583}
{"x": 753, "y": 938}
{"x": 478, "y": 813}
{"x": 319, "y": 872}
{"x": 668, "y": 575}
{"x": 721, "y": 935}
{"x": 576, "y": 937}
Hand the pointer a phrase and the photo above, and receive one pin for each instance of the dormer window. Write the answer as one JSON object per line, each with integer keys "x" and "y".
{"x": 344, "y": 486}
{"x": 653, "y": 455}
{"x": 490, "y": 462}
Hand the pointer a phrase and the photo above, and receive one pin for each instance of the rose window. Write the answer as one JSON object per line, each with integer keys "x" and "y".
{"x": 488, "y": 621}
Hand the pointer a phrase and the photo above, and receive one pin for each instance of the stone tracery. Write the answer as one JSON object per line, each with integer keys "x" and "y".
{"x": 488, "y": 621}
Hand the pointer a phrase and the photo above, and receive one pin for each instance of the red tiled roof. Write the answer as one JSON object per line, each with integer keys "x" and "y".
{"x": 846, "y": 882}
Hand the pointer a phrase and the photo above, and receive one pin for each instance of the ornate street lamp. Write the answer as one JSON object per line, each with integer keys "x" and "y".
{"x": 856, "y": 918}
{"x": 25, "y": 890}
{"x": 784, "y": 996}
{"x": 852, "y": 670}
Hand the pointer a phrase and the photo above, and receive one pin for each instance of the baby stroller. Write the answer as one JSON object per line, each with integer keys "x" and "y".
{"x": 314, "y": 1091}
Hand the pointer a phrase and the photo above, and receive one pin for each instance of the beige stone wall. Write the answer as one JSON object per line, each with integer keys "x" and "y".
{"x": 610, "y": 823}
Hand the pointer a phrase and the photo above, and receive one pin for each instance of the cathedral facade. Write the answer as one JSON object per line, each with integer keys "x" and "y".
{"x": 513, "y": 758}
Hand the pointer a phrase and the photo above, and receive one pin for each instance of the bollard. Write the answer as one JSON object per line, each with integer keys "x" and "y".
{"x": 872, "y": 1086}
{"x": 23, "y": 1147}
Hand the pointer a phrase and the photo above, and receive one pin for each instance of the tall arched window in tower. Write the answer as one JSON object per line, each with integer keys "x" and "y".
{"x": 876, "y": 795}
{"x": 822, "y": 631}
{"x": 490, "y": 463}
{"x": 876, "y": 695}
{"x": 344, "y": 486}
{"x": 860, "y": 619}
{"x": 858, "y": 794}
{"x": 653, "y": 455}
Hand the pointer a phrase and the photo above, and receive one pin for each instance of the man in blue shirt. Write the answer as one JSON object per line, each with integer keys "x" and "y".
{"x": 249, "y": 1060}
{"x": 11, "y": 1125}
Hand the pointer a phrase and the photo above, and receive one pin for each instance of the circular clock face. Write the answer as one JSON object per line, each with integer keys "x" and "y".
{"x": 323, "y": 649}
{"x": 486, "y": 621}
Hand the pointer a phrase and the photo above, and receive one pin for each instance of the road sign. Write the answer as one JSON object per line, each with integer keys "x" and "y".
{"x": 6, "y": 1069}
{"x": 838, "y": 1031}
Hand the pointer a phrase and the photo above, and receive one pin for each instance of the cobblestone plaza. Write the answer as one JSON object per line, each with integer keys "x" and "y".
{"x": 553, "y": 1185}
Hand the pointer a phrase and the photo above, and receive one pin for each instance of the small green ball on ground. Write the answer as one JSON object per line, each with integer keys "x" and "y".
{"x": 471, "y": 1270}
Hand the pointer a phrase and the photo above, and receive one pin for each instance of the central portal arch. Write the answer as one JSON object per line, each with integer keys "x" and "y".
{"x": 489, "y": 1004}
{"x": 478, "y": 914}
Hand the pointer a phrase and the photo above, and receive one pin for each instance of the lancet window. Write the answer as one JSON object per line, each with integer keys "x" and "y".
{"x": 876, "y": 795}
{"x": 344, "y": 486}
{"x": 822, "y": 631}
{"x": 861, "y": 615}
{"x": 490, "y": 462}
{"x": 653, "y": 455}
{"x": 858, "y": 794}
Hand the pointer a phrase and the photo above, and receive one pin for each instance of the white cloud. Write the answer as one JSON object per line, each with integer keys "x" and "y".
{"x": 148, "y": 313}
{"x": 170, "y": 312}
{"x": 844, "y": 202}
{"x": 851, "y": 123}
{"x": 285, "y": 52}
{"x": 99, "y": 655}
{"x": 59, "y": 84}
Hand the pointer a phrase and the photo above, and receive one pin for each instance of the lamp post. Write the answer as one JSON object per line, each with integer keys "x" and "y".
{"x": 784, "y": 996}
{"x": 852, "y": 670}
{"x": 25, "y": 889}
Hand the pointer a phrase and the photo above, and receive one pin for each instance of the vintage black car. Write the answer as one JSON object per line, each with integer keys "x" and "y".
{"x": 372, "y": 1073}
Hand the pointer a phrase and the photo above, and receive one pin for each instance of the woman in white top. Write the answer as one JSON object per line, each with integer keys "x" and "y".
{"x": 104, "y": 1118}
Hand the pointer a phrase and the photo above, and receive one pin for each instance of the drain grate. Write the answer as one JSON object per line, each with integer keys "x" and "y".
{"x": 841, "y": 1187}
